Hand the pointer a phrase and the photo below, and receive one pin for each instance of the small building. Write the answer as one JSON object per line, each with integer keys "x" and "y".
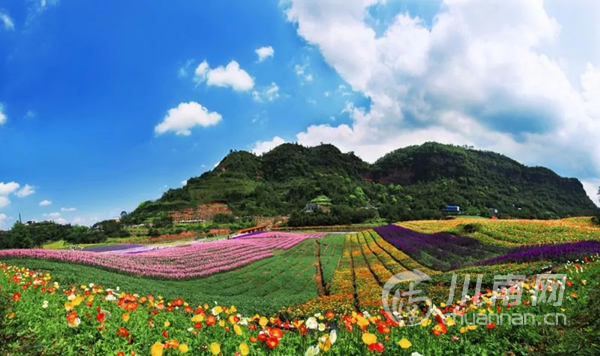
{"x": 451, "y": 209}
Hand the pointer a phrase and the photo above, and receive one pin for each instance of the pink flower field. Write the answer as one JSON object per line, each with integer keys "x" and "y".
{"x": 188, "y": 260}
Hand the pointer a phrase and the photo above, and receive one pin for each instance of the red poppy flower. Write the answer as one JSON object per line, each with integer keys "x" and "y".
{"x": 330, "y": 315}
{"x": 122, "y": 332}
{"x": 272, "y": 342}
{"x": 262, "y": 337}
{"x": 377, "y": 346}
{"x": 302, "y": 329}
{"x": 210, "y": 320}
{"x": 120, "y": 353}
{"x": 100, "y": 317}
{"x": 198, "y": 325}
{"x": 276, "y": 333}
{"x": 165, "y": 334}
{"x": 491, "y": 325}
{"x": 252, "y": 339}
{"x": 16, "y": 296}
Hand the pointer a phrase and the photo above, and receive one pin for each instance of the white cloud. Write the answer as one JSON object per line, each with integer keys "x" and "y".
{"x": 264, "y": 53}
{"x": 184, "y": 182}
{"x": 3, "y": 117}
{"x": 186, "y": 116}
{"x": 269, "y": 93}
{"x": 4, "y": 201}
{"x": 26, "y": 191}
{"x": 591, "y": 187}
{"x": 230, "y": 76}
{"x": 8, "y": 23}
{"x": 495, "y": 77}
{"x": 302, "y": 72}
{"x": 261, "y": 147}
{"x": 60, "y": 221}
{"x": 55, "y": 215}
{"x": 68, "y": 209}
{"x": 8, "y": 188}
{"x": 45, "y": 203}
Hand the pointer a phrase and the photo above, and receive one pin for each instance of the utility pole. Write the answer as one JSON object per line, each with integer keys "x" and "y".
{"x": 20, "y": 218}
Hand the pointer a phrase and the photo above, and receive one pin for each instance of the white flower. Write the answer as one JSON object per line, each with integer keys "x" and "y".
{"x": 317, "y": 315}
{"x": 190, "y": 329}
{"x": 311, "y": 323}
{"x": 91, "y": 285}
{"x": 110, "y": 298}
{"x": 45, "y": 304}
{"x": 312, "y": 351}
{"x": 366, "y": 314}
{"x": 71, "y": 297}
{"x": 321, "y": 327}
{"x": 118, "y": 289}
{"x": 333, "y": 336}
{"x": 415, "y": 354}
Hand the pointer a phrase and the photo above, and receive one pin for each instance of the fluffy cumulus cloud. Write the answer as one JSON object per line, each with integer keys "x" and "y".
{"x": 7, "y": 22}
{"x": 261, "y": 147}
{"x": 229, "y": 76}
{"x": 269, "y": 93}
{"x": 186, "y": 116}
{"x": 264, "y": 53}
{"x": 26, "y": 191}
{"x": 498, "y": 75}
{"x": 45, "y": 203}
{"x": 8, "y": 188}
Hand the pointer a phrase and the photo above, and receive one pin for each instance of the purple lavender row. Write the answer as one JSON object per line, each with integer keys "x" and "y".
{"x": 440, "y": 251}
{"x": 555, "y": 252}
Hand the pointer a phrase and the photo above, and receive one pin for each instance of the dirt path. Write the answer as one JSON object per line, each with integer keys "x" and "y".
{"x": 321, "y": 288}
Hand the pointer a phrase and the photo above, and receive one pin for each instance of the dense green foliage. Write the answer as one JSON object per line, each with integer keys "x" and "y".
{"x": 36, "y": 234}
{"x": 416, "y": 182}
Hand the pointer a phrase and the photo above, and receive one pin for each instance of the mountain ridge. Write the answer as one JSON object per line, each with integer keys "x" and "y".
{"x": 407, "y": 183}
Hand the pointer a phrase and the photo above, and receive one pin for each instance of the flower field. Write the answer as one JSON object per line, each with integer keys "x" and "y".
{"x": 304, "y": 294}
{"x": 42, "y": 316}
{"x": 190, "y": 260}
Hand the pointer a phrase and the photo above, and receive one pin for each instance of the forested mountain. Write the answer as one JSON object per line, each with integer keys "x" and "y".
{"x": 409, "y": 183}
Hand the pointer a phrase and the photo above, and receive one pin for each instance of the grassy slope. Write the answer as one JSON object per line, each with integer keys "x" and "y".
{"x": 264, "y": 286}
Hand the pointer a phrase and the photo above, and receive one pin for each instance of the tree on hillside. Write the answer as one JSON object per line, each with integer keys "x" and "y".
{"x": 18, "y": 237}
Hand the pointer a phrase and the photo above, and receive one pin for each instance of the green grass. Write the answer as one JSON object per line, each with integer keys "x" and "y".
{"x": 265, "y": 286}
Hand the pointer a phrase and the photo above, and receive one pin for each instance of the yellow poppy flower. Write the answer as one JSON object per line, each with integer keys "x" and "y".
{"x": 215, "y": 348}
{"x": 404, "y": 343}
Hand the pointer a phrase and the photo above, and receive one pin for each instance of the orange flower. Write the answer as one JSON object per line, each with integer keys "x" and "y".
{"x": 16, "y": 296}
{"x": 120, "y": 353}
{"x": 125, "y": 317}
{"x": 439, "y": 329}
{"x": 210, "y": 320}
{"x": 574, "y": 295}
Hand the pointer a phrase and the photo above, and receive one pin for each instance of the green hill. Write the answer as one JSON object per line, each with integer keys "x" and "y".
{"x": 410, "y": 183}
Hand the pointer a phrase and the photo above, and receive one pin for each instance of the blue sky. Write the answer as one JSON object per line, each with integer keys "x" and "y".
{"x": 106, "y": 104}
